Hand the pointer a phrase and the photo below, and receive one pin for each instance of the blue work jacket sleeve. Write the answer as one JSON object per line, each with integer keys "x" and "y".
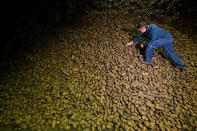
{"x": 153, "y": 38}
{"x": 138, "y": 38}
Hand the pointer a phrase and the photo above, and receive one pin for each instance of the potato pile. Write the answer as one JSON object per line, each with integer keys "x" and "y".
{"x": 87, "y": 79}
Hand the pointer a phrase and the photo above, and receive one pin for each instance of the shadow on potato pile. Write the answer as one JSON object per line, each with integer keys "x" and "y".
{"x": 87, "y": 79}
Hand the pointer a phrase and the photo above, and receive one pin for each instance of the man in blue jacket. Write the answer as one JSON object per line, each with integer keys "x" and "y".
{"x": 158, "y": 38}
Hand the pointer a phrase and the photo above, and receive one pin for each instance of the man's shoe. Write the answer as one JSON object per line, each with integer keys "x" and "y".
{"x": 182, "y": 69}
{"x": 145, "y": 62}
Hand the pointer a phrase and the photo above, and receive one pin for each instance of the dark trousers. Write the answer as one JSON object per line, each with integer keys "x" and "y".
{"x": 168, "y": 48}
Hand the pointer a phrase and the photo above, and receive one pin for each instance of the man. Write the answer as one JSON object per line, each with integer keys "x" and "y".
{"x": 158, "y": 38}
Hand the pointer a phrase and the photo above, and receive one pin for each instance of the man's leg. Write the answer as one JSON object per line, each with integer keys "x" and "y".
{"x": 156, "y": 44}
{"x": 171, "y": 55}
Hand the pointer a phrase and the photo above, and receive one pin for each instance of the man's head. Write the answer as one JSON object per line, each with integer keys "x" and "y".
{"x": 142, "y": 27}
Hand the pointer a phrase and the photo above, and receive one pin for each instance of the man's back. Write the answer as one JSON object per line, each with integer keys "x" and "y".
{"x": 155, "y": 32}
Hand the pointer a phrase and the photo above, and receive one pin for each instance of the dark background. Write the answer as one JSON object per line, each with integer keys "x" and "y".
{"x": 23, "y": 17}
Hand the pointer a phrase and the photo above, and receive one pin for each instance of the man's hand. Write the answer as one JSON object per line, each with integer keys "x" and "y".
{"x": 128, "y": 44}
{"x": 141, "y": 45}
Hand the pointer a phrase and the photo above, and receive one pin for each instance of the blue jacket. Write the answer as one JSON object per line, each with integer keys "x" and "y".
{"x": 153, "y": 32}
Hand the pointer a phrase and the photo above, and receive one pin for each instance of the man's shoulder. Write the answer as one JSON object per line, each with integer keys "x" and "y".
{"x": 151, "y": 28}
{"x": 154, "y": 27}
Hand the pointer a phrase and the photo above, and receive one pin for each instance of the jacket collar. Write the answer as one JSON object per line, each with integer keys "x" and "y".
{"x": 148, "y": 28}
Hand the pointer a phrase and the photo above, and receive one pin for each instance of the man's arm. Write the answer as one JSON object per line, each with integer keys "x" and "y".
{"x": 135, "y": 40}
{"x": 138, "y": 38}
{"x": 148, "y": 42}
{"x": 153, "y": 38}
